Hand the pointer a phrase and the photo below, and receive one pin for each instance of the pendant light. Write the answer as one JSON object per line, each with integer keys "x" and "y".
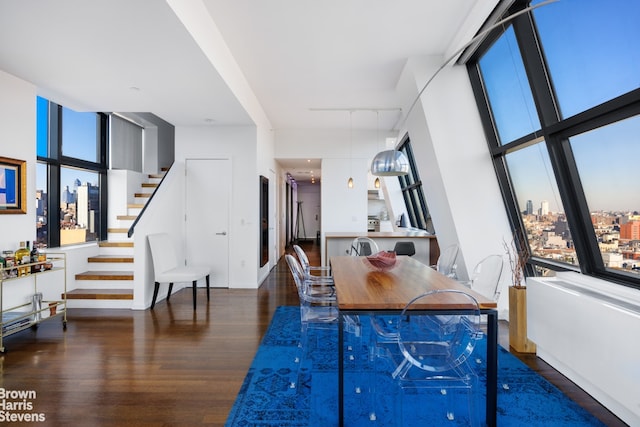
{"x": 388, "y": 162}
{"x": 350, "y": 181}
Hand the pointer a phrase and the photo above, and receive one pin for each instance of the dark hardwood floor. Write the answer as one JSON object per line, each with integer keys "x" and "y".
{"x": 167, "y": 367}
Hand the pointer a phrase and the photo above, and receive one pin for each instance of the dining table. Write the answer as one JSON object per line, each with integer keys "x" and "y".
{"x": 362, "y": 289}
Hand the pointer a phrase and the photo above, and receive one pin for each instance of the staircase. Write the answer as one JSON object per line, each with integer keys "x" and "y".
{"x": 110, "y": 283}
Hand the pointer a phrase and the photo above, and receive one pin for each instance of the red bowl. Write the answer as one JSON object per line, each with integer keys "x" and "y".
{"x": 383, "y": 260}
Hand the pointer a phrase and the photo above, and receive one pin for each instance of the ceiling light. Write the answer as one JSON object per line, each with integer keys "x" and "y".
{"x": 390, "y": 163}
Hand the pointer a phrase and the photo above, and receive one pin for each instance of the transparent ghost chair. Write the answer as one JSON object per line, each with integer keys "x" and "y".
{"x": 432, "y": 353}
{"x": 363, "y": 246}
{"x": 317, "y": 309}
{"x": 311, "y": 272}
{"x": 486, "y": 277}
{"x": 325, "y": 279}
{"x": 447, "y": 261}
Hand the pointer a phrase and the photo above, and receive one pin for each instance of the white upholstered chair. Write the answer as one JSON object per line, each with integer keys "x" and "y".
{"x": 168, "y": 268}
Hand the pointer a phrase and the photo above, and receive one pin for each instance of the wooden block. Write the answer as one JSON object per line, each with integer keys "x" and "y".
{"x": 518, "y": 339}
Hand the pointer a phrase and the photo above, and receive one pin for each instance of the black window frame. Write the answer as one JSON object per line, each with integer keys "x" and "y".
{"x": 555, "y": 132}
{"x": 412, "y": 192}
{"x": 55, "y": 161}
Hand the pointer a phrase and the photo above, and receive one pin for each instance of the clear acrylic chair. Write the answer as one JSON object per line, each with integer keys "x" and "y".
{"x": 317, "y": 310}
{"x": 486, "y": 277}
{"x": 363, "y": 246}
{"x": 447, "y": 261}
{"x": 430, "y": 364}
{"x": 312, "y": 272}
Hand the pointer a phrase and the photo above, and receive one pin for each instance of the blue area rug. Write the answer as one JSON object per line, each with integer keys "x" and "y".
{"x": 266, "y": 398}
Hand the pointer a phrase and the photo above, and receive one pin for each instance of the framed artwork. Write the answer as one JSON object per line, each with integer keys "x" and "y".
{"x": 13, "y": 186}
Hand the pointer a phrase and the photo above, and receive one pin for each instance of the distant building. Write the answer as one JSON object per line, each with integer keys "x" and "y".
{"x": 529, "y": 210}
{"x": 41, "y": 203}
{"x": 612, "y": 259}
{"x": 630, "y": 230}
{"x": 544, "y": 208}
{"x": 629, "y": 218}
{"x": 551, "y": 239}
{"x": 68, "y": 196}
{"x": 88, "y": 206}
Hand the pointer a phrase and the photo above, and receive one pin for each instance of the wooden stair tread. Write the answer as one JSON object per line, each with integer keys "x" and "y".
{"x": 155, "y": 175}
{"x": 109, "y": 244}
{"x": 142, "y": 194}
{"x": 111, "y": 258}
{"x": 127, "y": 217}
{"x": 100, "y": 294}
{"x": 105, "y": 275}
{"x": 117, "y": 230}
{"x": 149, "y": 185}
{"x": 135, "y": 205}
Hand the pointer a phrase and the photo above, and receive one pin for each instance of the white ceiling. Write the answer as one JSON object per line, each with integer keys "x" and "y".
{"x": 303, "y": 59}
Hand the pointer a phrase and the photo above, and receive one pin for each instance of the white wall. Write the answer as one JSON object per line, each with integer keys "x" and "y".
{"x": 123, "y": 184}
{"x": 266, "y": 166}
{"x": 162, "y": 215}
{"x": 239, "y": 145}
{"x": 455, "y": 166}
{"x": 18, "y": 141}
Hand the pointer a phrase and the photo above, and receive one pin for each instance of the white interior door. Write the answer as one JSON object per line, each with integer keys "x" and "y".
{"x": 207, "y": 198}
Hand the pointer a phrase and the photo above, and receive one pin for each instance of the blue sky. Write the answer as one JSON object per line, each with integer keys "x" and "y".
{"x": 591, "y": 49}
{"x": 79, "y": 141}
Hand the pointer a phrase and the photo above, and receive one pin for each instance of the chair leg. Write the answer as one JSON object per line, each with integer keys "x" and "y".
{"x": 195, "y": 283}
{"x": 169, "y": 292}
{"x": 155, "y": 294}
{"x": 207, "y": 287}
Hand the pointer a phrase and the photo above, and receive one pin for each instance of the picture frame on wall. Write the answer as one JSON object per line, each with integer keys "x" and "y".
{"x": 13, "y": 186}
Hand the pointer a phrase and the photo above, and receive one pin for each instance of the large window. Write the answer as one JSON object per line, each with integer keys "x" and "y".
{"x": 558, "y": 91}
{"x": 70, "y": 175}
{"x": 411, "y": 187}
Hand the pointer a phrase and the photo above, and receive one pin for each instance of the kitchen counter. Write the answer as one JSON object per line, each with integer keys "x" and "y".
{"x": 427, "y": 250}
{"x": 381, "y": 234}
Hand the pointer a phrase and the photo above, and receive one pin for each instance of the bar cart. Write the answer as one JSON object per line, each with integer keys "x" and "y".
{"x": 22, "y": 287}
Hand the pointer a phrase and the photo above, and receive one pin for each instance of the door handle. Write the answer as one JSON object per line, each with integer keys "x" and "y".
{"x": 224, "y": 233}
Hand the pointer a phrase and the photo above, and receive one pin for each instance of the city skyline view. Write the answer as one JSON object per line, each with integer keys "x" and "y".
{"x": 79, "y": 188}
{"x": 580, "y": 60}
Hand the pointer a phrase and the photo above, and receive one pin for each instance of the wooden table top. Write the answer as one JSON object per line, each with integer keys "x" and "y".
{"x": 359, "y": 286}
